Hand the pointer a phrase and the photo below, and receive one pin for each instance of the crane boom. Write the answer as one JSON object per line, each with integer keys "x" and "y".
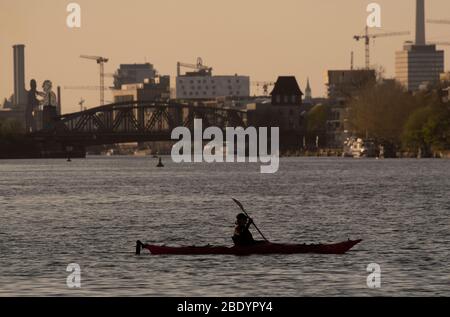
{"x": 432, "y": 21}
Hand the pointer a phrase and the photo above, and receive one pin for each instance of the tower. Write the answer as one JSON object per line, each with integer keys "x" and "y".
{"x": 20, "y": 94}
{"x": 308, "y": 91}
{"x": 420, "y": 22}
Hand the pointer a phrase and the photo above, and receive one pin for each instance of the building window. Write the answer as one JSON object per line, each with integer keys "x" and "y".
{"x": 294, "y": 98}
{"x": 286, "y": 99}
{"x": 278, "y": 98}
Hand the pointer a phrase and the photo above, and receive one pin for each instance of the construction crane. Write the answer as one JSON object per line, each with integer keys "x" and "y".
{"x": 199, "y": 66}
{"x": 101, "y": 62}
{"x": 367, "y": 37}
{"x": 265, "y": 85}
{"x": 432, "y": 21}
{"x": 439, "y": 43}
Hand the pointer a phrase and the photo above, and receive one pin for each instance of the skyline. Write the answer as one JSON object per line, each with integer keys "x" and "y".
{"x": 265, "y": 49}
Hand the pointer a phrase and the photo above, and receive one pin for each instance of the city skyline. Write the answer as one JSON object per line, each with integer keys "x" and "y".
{"x": 267, "y": 46}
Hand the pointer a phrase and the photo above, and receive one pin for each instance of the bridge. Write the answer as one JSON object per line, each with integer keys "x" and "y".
{"x": 134, "y": 121}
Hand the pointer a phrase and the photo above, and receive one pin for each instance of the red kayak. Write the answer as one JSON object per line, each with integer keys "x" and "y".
{"x": 261, "y": 248}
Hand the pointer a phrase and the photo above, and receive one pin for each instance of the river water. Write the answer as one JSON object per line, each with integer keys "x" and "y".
{"x": 91, "y": 212}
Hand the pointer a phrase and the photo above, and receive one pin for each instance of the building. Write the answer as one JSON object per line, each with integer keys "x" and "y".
{"x": 202, "y": 84}
{"x": 345, "y": 84}
{"x": 150, "y": 90}
{"x": 284, "y": 110}
{"x": 133, "y": 74}
{"x": 286, "y": 92}
{"x": 419, "y": 63}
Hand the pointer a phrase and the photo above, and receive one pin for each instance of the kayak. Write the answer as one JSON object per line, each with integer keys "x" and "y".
{"x": 257, "y": 249}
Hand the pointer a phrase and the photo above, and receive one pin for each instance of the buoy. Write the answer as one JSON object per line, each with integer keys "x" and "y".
{"x": 160, "y": 164}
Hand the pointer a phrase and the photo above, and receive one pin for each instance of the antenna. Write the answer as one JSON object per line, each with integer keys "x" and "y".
{"x": 352, "y": 60}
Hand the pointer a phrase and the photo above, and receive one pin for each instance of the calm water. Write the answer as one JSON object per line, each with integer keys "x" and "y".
{"x": 92, "y": 211}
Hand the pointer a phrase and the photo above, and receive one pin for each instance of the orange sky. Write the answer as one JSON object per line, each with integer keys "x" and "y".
{"x": 259, "y": 38}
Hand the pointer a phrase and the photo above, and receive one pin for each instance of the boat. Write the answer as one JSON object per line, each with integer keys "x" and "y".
{"x": 359, "y": 148}
{"x": 263, "y": 248}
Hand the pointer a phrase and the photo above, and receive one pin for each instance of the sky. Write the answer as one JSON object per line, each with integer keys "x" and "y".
{"x": 259, "y": 38}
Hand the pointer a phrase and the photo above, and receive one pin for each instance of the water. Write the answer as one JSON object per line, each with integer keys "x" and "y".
{"x": 92, "y": 211}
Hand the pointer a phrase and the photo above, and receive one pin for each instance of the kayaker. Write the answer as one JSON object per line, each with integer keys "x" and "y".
{"x": 242, "y": 235}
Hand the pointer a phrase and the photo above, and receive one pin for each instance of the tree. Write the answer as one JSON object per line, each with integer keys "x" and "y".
{"x": 316, "y": 123}
{"x": 10, "y": 127}
{"x": 380, "y": 112}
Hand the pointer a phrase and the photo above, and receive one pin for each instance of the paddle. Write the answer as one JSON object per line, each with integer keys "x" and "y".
{"x": 243, "y": 210}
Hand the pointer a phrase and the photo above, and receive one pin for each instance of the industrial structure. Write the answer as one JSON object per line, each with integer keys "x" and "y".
{"x": 200, "y": 84}
{"x": 20, "y": 93}
{"x": 419, "y": 63}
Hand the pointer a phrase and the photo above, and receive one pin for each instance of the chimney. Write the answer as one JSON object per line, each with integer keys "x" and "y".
{"x": 20, "y": 95}
{"x": 420, "y": 23}
{"x": 58, "y": 108}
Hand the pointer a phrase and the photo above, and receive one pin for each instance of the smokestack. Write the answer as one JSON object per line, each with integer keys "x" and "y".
{"x": 20, "y": 95}
{"x": 58, "y": 108}
{"x": 420, "y": 23}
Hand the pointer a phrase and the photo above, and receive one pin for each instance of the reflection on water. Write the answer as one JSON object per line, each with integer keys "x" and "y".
{"x": 92, "y": 211}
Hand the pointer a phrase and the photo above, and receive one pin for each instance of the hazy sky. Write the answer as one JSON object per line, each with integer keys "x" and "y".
{"x": 259, "y": 38}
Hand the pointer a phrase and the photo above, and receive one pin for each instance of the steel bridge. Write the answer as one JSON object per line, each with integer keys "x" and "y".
{"x": 135, "y": 121}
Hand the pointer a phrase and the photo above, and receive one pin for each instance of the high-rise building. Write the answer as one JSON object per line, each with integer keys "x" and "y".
{"x": 419, "y": 63}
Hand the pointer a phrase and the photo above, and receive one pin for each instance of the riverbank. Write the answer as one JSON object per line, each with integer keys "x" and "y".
{"x": 25, "y": 147}
{"x": 339, "y": 153}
